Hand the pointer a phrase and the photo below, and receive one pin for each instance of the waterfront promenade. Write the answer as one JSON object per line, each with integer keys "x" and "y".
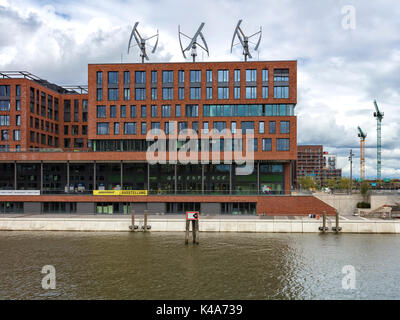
{"x": 176, "y": 223}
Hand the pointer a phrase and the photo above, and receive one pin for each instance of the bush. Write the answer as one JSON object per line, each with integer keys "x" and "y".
{"x": 364, "y": 205}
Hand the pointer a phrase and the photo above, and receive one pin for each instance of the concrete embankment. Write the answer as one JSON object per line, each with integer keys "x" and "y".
{"x": 207, "y": 224}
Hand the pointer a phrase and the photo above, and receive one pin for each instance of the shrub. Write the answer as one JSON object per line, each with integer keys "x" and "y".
{"x": 364, "y": 205}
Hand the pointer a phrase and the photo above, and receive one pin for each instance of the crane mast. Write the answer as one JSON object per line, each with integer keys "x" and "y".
{"x": 362, "y": 136}
{"x": 379, "y": 116}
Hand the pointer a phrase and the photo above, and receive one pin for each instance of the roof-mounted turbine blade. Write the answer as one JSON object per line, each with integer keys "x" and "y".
{"x": 194, "y": 42}
{"x": 244, "y": 40}
{"x": 141, "y": 42}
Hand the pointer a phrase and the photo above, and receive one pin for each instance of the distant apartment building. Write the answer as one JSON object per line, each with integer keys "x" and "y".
{"x": 313, "y": 161}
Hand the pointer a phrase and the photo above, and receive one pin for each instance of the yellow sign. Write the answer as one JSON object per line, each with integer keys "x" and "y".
{"x": 120, "y": 192}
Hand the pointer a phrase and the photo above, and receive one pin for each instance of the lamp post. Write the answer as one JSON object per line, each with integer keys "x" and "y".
{"x": 351, "y": 169}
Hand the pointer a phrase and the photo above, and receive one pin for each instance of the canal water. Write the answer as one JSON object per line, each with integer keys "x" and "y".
{"x": 223, "y": 266}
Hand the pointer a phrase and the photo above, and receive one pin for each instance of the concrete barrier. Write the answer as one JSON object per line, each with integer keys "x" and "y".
{"x": 251, "y": 225}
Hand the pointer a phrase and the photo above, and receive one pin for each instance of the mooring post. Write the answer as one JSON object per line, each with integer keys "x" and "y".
{"x": 194, "y": 230}
{"x": 337, "y": 222}
{"x": 133, "y": 219}
{"x": 323, "y": 221}
{"x": 145, "y": 221}
{"x": 197, "y": 231}
{"x": 187, "y": 231}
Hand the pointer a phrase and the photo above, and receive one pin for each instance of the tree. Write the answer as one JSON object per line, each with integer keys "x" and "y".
{"x": 344, "y": 184}
{"x": 331, "y": 183}
{"x": 364, "y": 188}
{"x": 308, "y": 182}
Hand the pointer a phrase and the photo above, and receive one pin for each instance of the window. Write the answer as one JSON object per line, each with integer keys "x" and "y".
{"x": 103, "y": 128}
{"x": 67, "y": 110}
{"x": 130, "y": 128}
{"x": 167, "y": 93}
{"x": 84, "y": 110}
{"x": 282, "y": 144}
{"x": 140, "y": 77}
{"x": 5, "y": 91}
{"x": 143, "y": 111}
{"x": 99, "y": 94}
{"x": 182, "y": 126}
{"x": 154, "y": 77}
{"x": 127, "y": 77}
{"x": 252, "y": 144}
{"x": 166, "y": 111}
{"x": 267, "y": 144}
{"x": 209, "y": 75}
{"x": 18, "y": 105}
{"x": 127, "y": 94}
{"x": 223, "y": 75}
{"x": 284, "y": 127}
{"x": 261, "y": 127}
{"x": 99, "y": 77}
{"x": 76, "y": 110}
{"x": 177, "y": 110}
{"x": 4, "y": 105}
{"x": 113, "y": 77}
{"x": 281, "y": 92}
{"x": 236, "y": 92}
{"x": 251, "y": 92}
{"x": 205, "y": 127}
{"x": 265, "y": 92}
{"x": 251, "y": 75}
{"x": 4, "y": 135}
{"x": 75, "y": 130}
{"x": 144, "y": 128}
{"x": 155, "y": 127}
{"x": 154, "y": 111}
{"x": 195, "y": 126}
{"x": 101, "y": 111}
{"x": 209, "y": 93}
{"x": 272, "y": 127}
{"x": 140, "y": 94}
{"x": 168, "y": 76}
{"x": 123, "y": 112}
{"x": 181, "y": 93}
{"x": 223, "y": 93}
{"x": 116, "y": 127}
{"x": 236, "y": 74}
{"x": 195, "y": 76}
{"x": 113, "y": 111}
{"x": 18, "y": 120}
{"x": 195, "y": 93}
{"x": 153, "y": 93}
{"x": 133, "y": 111}
{"x": 219, "y": 125}
{"x": 112, "y": 94}
{"x": 167, "y": 127}
{"x": 247, "y": 125}
{"x": 265, "y": 75}
{"x": 181, "y": 76}
{"x": 17, "y": 90}
{"x": 233, "y": 126}
{"x": 192, "y": 110}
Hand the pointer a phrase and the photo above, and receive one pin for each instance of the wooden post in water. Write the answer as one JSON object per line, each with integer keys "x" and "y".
{"x": 133, "y": 219}
{"x": 324, "y": 221}
{"x": 145, "y": 221}
{"x": 187, "y": 231}
{"x": 337, "y": 222}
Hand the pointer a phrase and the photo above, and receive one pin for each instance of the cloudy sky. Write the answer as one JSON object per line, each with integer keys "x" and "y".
{"x": 341, "y": 70}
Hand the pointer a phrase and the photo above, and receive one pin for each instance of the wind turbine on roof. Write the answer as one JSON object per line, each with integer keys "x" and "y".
{"x": 193, "y": 42}
{"x": 245, "y": 40}
{"x": 141, "y": 42}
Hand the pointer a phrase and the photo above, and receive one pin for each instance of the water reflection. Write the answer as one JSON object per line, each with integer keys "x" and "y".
{"x": 223, "y": 266}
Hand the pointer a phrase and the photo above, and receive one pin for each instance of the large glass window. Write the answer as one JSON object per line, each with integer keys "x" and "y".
{"x": 267, "y": 144}
{"x": 195, "y": 76}
{"x": 103, "y": 128}
{"x": 223, "y": 93}
{"x": 265, "y": 92}
{"x": 140, "y": 77}
{"x": 265, "y": 75}
{"x": 99, "y": 77}
{"x": 101, "y": 111}
{"x": 251, "y": 92}
{"x": 116, "y": 127}
{"x": 133, "y": 111}
{"x": 236, "y": 74}
{"x": 181, "y": 76}
{"x": 4, "y": 91}
{"x": 113, "y": 77}
{"x": 167, "y": 93}
{"x": 282, "y": 144}
{"x": 236, "y": 92}
{"x": 4, "y": 105}
{"x": 130, "y": 128}
{"x": 284, "y": 127}
{"x": 177, "y": 110}
{"x": 209, "y": 93}
{"x": 219, "y": 125}
{"x": 154, "y": 111}
{"x": 192, "y": 110}
{"x": 195, "y": 93}
{"x": 166, "y": 111}
{"x": 99, "y": 94}
{"x": 168, "y": 76}
{"x": 127, "y": 77}
{"x": 281, "y": 92}
{"x": 140, "y": 94}
{"x": 113, "y": 111}
{"x": 181, "y": 93}
{"x": 247, "y": 125}
{"x": 112, "y": 94}
{"x": 209, "y": 75}
{"x": 154, "y": 77}
{"x": 123, "y": 112}
{"x": 153, "y": 93}
{"x": 223, "y": 75}
{"x": 272, "y": 127}
{"x": 261, "y": 127}
{"x": 143, "y": 128}
{"x": 127, "y": 94}
{"x": 143, "y": 111}
{"x": 251, "y": 75}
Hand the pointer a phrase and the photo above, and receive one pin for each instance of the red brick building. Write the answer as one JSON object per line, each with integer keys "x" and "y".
{"x": 64, "y": 143}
